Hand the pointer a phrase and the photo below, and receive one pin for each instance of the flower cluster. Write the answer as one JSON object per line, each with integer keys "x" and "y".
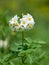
{"x": 25, "y": 23}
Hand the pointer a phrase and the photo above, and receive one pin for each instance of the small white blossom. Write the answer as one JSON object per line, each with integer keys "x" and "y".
{"x": 15, "y": 18}
{"x": 28, "y": 18}
{"x": 26, "y": 22}
{"x": 20, "y": 28}
{"x": 13, "y": 23}
{"x": 29, "y": 26}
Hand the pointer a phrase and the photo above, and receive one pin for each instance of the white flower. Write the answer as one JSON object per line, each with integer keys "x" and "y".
{"x": 24, "y": 22}
{"x": 14, "y": 20}
{"x": 20, "y": 28}
{"x": 29, "y": 26}
{"x": 28, "y": 18}
{"x": 27, "y": 21}
{"x": 14, "y": 23}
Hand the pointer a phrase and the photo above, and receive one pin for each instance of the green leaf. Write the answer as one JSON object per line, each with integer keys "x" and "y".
{"x": 11, "y": 63}
{"x": 29, "y": 40}
{"x": 28, "y": 60}
{"x": 16, "y": 47}
{"x": 17, "y": 61}
{"x": 6, "y": 57}
{"x": 39, "y": 41}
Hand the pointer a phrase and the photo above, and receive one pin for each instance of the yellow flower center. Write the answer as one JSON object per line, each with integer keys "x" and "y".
{"x": 30, "y": 25}
{"x": 29, "y": 19}
{"x": 17, "y": 24}
{"x": 24, "y": 22}
{"x": 20, "y": 28}
{"x": 11, "y": 25}
{"x": 14, "y": 30}
{"x": 14, "y": 20}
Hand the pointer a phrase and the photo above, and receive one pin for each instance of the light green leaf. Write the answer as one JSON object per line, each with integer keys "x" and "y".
{"x": 28, "y": 60}
{"x": 29, "y": 40}
{"x": 39, "y": 41}
{"x": 16, "y": 47}
{"x": 11, "y": 63}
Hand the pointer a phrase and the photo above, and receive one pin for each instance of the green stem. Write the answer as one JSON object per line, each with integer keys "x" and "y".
{"x": 22, "y": 39}
{"x": 22, "y": 45}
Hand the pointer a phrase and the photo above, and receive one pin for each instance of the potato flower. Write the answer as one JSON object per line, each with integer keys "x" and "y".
{"x": 26, "y": 23}
{"x": 13, "y": 23}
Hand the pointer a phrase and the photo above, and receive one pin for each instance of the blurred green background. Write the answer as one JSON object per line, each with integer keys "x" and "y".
{"x": 39, "y": 9}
